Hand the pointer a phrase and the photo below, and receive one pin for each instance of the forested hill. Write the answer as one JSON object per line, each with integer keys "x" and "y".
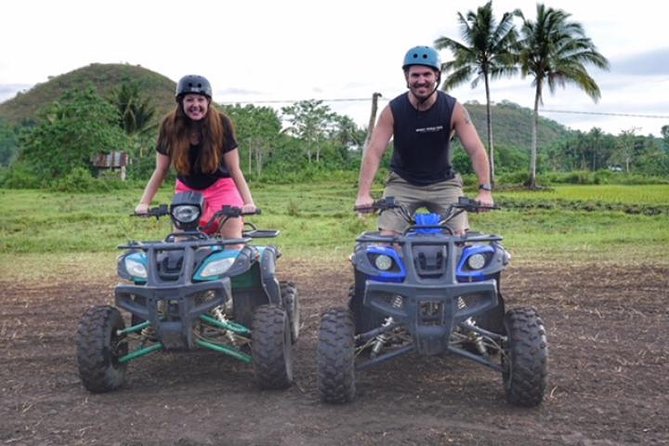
{"x": 104, "y": 77}
{"x": 512, "y": 124}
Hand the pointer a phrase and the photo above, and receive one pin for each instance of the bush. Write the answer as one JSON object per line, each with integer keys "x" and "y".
{"x": 20, "y": 176}
{"x": 516, "y": 178}
{"x": 576, "y": 177}
{"x": 142, "y": 168}
{"x": 81, "y": 180}
{"x": 78, "y": 180}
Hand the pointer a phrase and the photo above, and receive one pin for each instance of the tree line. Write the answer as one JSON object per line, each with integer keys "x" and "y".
{"x": 307, "y": 138}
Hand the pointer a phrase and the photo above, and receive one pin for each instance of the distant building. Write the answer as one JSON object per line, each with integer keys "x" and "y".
{"x": 114, "y": 161}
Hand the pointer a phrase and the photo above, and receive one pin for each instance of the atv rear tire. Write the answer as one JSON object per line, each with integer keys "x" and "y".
{"x": 525, "y": 358}
{"x": 99, "y": 347}
{"x": 336, "y": 357}
{"x": 271, "y": 347}
{"x": 291, "y": 302}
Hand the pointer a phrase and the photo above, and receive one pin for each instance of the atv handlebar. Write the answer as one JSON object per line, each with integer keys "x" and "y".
{"x": 383, "y": 204}
{"x": 471, "y": 205}
{"x": 227, "y": 212}
{"x": 158, "y": 211}
{"x": 464, "y": 204}
{"x": 234, "y": 211}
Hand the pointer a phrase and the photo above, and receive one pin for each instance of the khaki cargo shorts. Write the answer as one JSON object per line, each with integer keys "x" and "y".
{"x": 435, "y": 198}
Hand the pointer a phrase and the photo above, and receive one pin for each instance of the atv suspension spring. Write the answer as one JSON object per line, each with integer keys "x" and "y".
{"x": 476, "y": 338}
{"x": 381, "y": 339}
{"x": 221, "y": 317}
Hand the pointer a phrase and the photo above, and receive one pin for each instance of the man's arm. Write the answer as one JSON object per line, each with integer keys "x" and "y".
{"x": 466, "y": 132}
{"x": 378, "y": 144}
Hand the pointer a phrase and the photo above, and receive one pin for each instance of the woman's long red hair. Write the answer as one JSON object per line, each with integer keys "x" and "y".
{"x": 175, "y": 136}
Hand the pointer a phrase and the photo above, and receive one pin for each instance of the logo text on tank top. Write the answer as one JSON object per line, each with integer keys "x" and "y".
{"x": 433, "y": 129}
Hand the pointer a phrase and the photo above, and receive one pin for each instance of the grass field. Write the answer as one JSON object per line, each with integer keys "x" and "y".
{"x": 621, "y": 224}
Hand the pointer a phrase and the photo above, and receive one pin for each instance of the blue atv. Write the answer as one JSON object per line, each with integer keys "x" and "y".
{"x": 192, "y": 291}
{"x": 430, "y": 292}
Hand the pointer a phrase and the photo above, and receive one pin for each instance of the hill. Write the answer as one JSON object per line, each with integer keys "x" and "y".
{"x": 104, "y": 77}
{"x": 512, "y": 124}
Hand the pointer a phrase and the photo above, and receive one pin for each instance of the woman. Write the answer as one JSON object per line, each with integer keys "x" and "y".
{"x": 200, "y": 142}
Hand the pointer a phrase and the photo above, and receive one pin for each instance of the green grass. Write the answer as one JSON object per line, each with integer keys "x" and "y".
{"x": 540, "y": 236}
{"x": 653, "y": 194}
{"x": 316, "y": 220}
{"x": 646, "y": 195}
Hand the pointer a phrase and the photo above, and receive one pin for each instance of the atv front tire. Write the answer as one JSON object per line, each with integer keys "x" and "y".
{"x": 271, "y": 347}
{"x": 336, "y": 357}
{"x": 525, "y": 357}
{"x": 99, "y": 347}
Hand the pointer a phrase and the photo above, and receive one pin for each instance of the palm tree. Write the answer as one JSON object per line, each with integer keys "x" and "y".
{"x": 485, "y": 55}
{"x": 135, "y": 109}
{"x": 555, "y": 51}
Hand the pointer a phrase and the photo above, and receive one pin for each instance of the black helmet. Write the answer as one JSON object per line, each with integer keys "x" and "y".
{"x": 192, "y": 83}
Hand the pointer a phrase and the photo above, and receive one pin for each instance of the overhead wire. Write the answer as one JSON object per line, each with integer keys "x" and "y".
{"x": 576, "y": 112}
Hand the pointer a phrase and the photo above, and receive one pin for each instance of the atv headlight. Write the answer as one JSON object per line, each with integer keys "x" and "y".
{"x": 135, "y": 268}
{"x": 186, "y": 210}
{"x": 216, "y": 267}
{"x": 476, "y": 261}
{"x": 383, "y": 262}
{"x": 186, "y": 214}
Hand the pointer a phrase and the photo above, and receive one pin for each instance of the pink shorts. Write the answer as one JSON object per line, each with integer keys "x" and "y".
{"x": 222, "y": 192}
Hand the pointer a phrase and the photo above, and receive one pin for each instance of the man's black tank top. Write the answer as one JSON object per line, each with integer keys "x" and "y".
{"x": 421, "y": 140}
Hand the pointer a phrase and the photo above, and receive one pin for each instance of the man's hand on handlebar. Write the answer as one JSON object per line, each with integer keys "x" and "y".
{"x": 485, "y": 200}
{"x": 364, "y": 205}
{"x": 368, "y": 206}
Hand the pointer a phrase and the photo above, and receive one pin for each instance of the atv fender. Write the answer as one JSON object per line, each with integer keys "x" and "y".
{"x": 270, "y": 283}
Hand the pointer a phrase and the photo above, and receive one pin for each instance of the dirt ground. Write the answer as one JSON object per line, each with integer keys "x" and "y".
{"x": 608, "y": 331}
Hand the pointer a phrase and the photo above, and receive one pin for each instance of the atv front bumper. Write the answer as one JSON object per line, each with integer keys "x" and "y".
{"x": 430, "y": 312}
{"x": 172, "y": 310}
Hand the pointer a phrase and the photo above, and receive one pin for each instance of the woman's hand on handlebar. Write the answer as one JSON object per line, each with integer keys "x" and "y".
{"x": 249, "y": 208}
{"x": 142, "y": 209}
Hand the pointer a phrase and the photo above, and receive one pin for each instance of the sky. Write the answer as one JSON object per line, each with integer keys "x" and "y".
{"x": 274, "y": 53}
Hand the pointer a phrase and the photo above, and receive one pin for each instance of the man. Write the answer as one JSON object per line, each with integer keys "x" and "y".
{"x": 421, "y": 123}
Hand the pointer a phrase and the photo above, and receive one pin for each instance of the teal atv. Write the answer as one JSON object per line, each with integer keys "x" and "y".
{"x": 194, "y": 290}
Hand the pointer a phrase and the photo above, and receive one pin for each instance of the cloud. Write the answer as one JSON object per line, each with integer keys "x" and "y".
{"x": 644, "y": 64}
{"x": 236, "y": 92}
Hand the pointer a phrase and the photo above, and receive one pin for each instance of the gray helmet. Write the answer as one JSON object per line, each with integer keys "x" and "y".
{"x": 192, "y": 83}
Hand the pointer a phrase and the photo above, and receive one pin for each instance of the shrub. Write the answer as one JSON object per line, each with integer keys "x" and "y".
{"x": 78, "y": 180}
{"x": 20, "y": 176}
{"x": 518, "y": 177}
